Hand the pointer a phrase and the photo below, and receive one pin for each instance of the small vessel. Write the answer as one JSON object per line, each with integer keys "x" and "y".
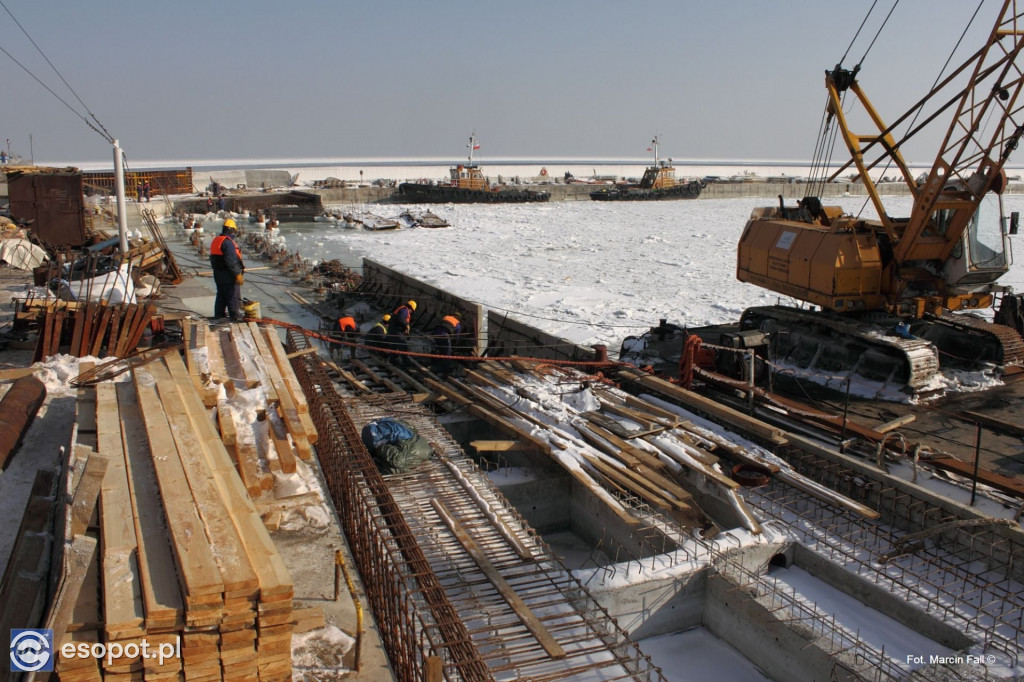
{"x": 659, "y": 182}
{"x": 415, "y": 218}
{"x": 371, "y": 221}
{"x": 468, "y": 186}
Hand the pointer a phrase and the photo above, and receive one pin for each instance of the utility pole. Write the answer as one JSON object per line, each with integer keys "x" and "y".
{"x": 122, "y": 215}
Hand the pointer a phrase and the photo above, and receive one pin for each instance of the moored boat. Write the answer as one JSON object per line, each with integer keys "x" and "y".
{"x": 468, "y": 185}
{"x": 659, "y": 182}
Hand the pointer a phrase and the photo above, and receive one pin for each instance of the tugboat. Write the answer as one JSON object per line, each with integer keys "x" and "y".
{"x": 468, "y": 186}
{"x": 659, "y": 182}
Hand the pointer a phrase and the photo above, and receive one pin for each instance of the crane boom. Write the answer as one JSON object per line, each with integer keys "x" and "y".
{"x": 970, "y": 160}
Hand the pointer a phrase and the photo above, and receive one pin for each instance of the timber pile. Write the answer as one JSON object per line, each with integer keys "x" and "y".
{"x": 92, "y": 328}
{"x": 224, "y": 361}
{"x": 185, "y": 558}
{"x": 615, "y": 445}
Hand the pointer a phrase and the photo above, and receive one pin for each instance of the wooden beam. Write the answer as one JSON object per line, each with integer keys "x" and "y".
{"x": 896, "y": 423}
{"x": 161, "y": 596}
{"x": 998, "y": 425}
{"x": 713, "y": 409}
{"x": 83, "y": 502}
{"x": 197, "y": 572}
{"x": 237, "y": 572}
{"x": 274, "y": 579}
{"x": 528, "y": 618}
{"x": 123, "y": 614}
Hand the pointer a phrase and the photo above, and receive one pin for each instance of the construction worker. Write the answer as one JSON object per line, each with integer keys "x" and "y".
{"x": 375, "y": 338}
{"x": 444, "y": 336}
{"x": 227, "y": 273}
{"x": 399, "y": 327}
{"x": 345, "y": 330}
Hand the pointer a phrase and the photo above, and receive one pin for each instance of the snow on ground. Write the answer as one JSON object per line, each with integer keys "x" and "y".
{"x": 696, "y": 655}
{"x": 592, "y": 272}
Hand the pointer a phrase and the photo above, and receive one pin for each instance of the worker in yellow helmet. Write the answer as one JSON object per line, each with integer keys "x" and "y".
{"x": 375, "y": 338}
{"x": 399, "y": 327}
{"x": 226, "y": 261}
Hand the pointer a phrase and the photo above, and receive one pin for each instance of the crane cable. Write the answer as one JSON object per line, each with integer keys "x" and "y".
{"x": 938, "y": 77}
{"x": 101, "y": 130}
{"x": 825, "y": 146}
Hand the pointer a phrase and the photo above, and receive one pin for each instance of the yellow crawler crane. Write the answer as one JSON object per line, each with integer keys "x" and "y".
{"x": 871, "y": 278}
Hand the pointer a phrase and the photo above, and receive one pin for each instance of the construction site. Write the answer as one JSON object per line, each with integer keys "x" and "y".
{"x": 209, "y": 486}
{"x": 274, "y": 497}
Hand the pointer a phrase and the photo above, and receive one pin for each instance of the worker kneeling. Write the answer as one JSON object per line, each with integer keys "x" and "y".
{"x": 445, "y": 338}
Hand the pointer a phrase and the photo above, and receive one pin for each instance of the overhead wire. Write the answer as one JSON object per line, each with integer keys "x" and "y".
{"x": 101, "y": 129}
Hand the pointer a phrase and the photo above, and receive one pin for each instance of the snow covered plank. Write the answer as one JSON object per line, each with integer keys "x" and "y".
{"x": 123, "y": 613}
{"x": 237, "y": 573}
{"x": 243, "y": 451}
{"x": 710, "y": 407}
{"x": 161, "y": 594}
{"x": 286, "y": 405}
{"x": 284, "y": 366}
{"x": 274, "y": 579}
{"x": 198, "y": 574}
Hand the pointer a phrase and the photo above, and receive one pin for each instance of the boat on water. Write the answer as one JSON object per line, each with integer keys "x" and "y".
{"x": 659, "y": 182}
{"x": 468, "y": 185}
{"x": 415, "y": 218}
{"x": 371, "y": 221}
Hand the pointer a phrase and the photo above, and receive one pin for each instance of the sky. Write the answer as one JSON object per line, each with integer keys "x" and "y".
{"x": 232, "y": 79}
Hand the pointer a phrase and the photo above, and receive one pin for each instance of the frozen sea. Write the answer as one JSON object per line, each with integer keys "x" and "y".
{"x": 591, "y": 272}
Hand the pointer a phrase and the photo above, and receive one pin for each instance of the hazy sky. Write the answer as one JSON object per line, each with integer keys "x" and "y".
{"x": 234, "y": 79}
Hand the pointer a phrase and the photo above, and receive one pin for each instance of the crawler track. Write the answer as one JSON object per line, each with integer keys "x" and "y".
{"x": 820, "y": 341}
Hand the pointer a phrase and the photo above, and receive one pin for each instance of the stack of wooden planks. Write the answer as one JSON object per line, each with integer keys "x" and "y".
{"x": 186, "y": 562}
{"x": 94, "y": 328}
{"x": 225, "y": 360}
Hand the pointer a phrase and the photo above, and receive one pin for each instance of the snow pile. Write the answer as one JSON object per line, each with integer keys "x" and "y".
{"x": 320, "y": 655}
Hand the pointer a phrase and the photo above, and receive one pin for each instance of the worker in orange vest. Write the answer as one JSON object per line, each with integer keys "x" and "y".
{"x": 226, "y": 261}
{"x": 345, "y": 330}
{"x": 443, "y": 338}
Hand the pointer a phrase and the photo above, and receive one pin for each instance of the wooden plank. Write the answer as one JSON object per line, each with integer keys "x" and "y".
{"x": 498, "y": 445}
{"x": 656, "y": 485}
{"x": 243, "y": 452}
{"x": 304, "y": 351}
{"x": 161, "y": 595}
{"x": 123, "y": 613}
{"x": 998, "y": 425}
{"x": 282, "y": 446}
{"x": 352, "y": 380}
{"x": 274, "y": 578}
{"x": 896, "y": 423}
{"x": 623, "y": 482}
{"x": 286, "y": 404}
{"x": 197, "y": 572}
{"x": 251, "y": 359}
{"x": 83, "y": 501}
{"x": 528, "y": 618}
{"x": 237, "y": 572}
{"x": 382, "y": 380}
{"x": 715, "y": 410}
{"x": 77, "y": 558}
{"x": 292, "y": 382}
{"x": 76, "y": 334}
{"x": 115, "y": 329}
{"x": 215, "y": 358}
{"x": 100, "y": 329}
